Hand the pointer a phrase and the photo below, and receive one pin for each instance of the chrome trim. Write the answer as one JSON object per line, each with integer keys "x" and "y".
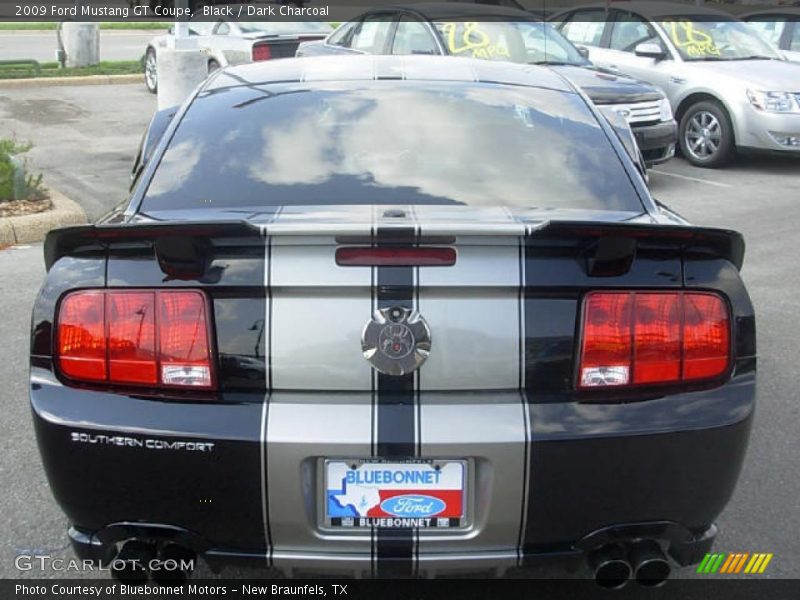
{"x": 399, "y": 330}
{"x": 638, "y": 112}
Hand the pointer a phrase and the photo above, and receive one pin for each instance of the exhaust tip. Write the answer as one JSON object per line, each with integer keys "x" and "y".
{"x": 130, "y": 565}
{"x": 650, "y": 567}
{"x": 610, "y": 567}
{"x": 653, "y": 573}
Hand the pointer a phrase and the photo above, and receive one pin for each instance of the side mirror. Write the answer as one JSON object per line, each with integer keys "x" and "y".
{"x": 171, "y": 31}
{"x": 650, "y": 50}
{"x": 583, "y": 51}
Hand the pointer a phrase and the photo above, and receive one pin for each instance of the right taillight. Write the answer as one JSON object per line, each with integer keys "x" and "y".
{"x": 150, "y": 338}
{"x": 653, "y": 338}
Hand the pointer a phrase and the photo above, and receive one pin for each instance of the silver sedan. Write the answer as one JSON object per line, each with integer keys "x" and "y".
{"x": 729, "y": 88}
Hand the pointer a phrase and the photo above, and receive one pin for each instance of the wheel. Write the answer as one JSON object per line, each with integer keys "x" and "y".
{"x": 706, "y": 135}
{"x": 212, "y": 66}
{"x": 151, "y": 71}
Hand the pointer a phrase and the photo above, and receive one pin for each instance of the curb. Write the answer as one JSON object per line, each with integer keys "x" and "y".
{"x": 74, "y": 80}
{"x": 33, "y": 228}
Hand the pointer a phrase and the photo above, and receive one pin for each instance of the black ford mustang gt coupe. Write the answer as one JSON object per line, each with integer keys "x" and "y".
{"x": 379, "y": 315}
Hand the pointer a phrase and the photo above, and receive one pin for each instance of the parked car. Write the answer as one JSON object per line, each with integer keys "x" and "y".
{"x": 730, "y": 90}
{"x": 499, "y": 33}
{"x": 392, "y": 315}
{"x": 235, "y": 42}
{"x": 781, "y": 27}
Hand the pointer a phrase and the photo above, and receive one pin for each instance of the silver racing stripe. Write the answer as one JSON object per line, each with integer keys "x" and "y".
{"x": 479, "y": 346}
{"x": 302, "y": 425}
{"x": 464, "y": 402}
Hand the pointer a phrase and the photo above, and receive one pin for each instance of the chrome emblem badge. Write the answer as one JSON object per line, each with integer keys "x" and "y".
{"x": 396, "y": 340}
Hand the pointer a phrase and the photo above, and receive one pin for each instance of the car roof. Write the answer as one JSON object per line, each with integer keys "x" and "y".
{"x": 655, "y": 10}
{"x": 318, "y": 69}
{"x": 452, "y": 10}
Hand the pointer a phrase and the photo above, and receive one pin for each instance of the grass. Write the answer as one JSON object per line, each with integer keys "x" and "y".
{"x": 51, "y": 26}
{"x": 121, "y": 67}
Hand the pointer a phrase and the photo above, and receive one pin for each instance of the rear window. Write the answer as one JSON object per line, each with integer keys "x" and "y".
{"x": 389, "y": 142}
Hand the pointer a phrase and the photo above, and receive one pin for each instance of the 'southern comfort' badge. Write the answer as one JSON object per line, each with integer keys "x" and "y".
{"x": 396, "y": 340}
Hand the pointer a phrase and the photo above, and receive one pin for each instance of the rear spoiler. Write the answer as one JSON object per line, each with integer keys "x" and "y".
{"x": 97, "y": 238}
{"x": 599, "y": 240}
{"x": 617, "y": 237}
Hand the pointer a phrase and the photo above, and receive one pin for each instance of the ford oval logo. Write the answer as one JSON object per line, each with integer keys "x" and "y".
{"x": 413, "y": 505}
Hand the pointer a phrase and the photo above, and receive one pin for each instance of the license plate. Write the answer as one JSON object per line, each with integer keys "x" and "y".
{"x": 361, "y": 493}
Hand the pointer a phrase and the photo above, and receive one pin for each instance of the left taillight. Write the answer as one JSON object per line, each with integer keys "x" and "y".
{"x": 261, "y": 52}
{"x": 150, "y": 338}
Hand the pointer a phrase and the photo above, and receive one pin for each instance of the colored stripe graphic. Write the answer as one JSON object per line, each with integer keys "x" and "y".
{"x": 758, "y": 563}
{"x": 718, "y": 563}
{"x": 732, "y": 558}
{"x": 752, "y": 563}
{"x": 732, "y": 563}
{"x": 741, "y": 562}
{"x": 764, "y": 564}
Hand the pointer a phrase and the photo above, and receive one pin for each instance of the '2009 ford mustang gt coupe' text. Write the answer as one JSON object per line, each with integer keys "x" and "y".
{"x": 379, "y": 315}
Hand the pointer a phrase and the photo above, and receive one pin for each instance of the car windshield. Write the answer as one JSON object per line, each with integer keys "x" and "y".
{"x": 699, "y": 39}
{"x": 384, "y": 142}
{"x": 518, "y": 41}
{"x": 282, "y": 28}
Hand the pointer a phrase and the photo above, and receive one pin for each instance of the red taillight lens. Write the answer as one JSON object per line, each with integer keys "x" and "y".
{"x": 395, "y": 257}
{"x": 606, "y": 353}
{"x": 183, "y": 340}
{"x": 657, "y": 338}
{"x": 641, "y": 338}
{"x": 132, "y": 337}
{"x": 82, "y": 336}
{"x": 262, "y": 52}
{"x": 150, "y": 338}
{"x": 706, "y": 336}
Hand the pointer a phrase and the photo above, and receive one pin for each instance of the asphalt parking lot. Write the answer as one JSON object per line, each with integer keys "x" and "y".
{"x": 85, "y": 139}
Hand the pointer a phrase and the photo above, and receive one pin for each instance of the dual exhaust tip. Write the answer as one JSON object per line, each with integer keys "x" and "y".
{"x": 139, "y": 560}
{"x": 644, "y": 562}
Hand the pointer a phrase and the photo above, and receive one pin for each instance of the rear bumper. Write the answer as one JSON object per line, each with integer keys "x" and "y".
{"x": 657, "y": 142}
{"x": 685, "y": 548}
{"x": 242, "y": 483}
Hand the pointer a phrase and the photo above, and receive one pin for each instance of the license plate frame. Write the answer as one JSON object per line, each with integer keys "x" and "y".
{"x": 391, "y": 510}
